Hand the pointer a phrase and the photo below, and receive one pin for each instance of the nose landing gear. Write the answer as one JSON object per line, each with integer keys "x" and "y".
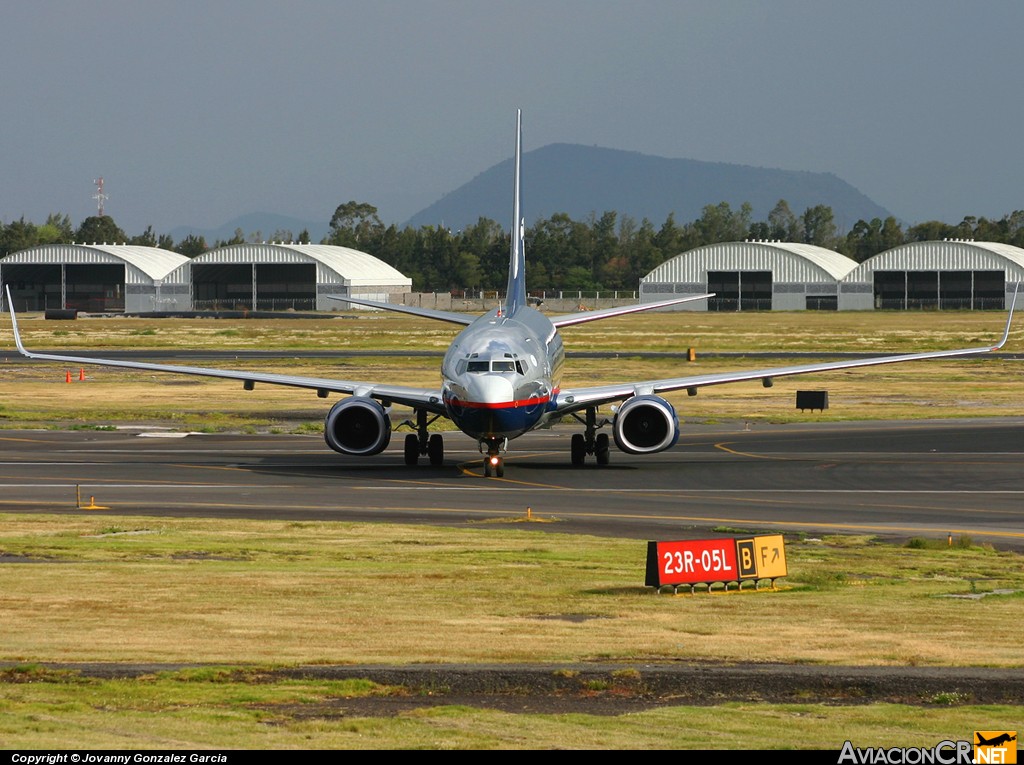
{"x": 494, "y": 462}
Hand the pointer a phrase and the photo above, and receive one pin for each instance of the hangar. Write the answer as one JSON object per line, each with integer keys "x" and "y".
{"x": 941, "y": 275}
{"x": 753, "y": 275}
{"x": 275, "y": 277}
{"x": 94, "y": 277}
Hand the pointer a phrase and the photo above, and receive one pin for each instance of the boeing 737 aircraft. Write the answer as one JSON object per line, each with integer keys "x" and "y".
{"x": 501, "y": 377}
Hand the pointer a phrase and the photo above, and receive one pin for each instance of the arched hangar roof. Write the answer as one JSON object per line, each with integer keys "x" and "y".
{"x": 342, "y": 265}
{"x": 150, "y": 262}
{"x": 944, "y": 255}
{"x": 788, "y": 261}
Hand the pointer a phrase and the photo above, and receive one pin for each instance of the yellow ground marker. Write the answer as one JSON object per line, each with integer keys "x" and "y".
{"x": 92, "y": 501}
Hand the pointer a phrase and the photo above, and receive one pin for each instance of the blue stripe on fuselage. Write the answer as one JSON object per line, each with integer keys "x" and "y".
{"x": 495, "y": 421}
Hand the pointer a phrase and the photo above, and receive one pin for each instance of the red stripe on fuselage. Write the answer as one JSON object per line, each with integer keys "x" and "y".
{"x": 504, "y": 404}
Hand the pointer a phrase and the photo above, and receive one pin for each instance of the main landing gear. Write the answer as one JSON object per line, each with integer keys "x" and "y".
{"x": 589, "y": 442}
{"x": 421, "y": 443}
{"x": 494, "y": 462}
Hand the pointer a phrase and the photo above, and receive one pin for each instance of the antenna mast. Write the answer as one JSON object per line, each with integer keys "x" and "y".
{"x": 99, "y": 196}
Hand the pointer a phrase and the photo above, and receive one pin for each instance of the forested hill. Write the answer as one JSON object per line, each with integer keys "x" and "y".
{"x": 579, "y": 180}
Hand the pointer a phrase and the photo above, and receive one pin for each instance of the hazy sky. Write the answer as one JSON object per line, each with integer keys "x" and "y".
{"x": 196, "y": 112}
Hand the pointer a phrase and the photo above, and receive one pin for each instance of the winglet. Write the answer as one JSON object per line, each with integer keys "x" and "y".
{"x": 1009, "y": 320}
{"x": 14, "y": 323}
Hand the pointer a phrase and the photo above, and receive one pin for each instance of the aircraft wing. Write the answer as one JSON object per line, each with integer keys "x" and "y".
{"x": 567, "y": 320}
{"x": 420, "y": 398}
{"x": 427, "y": 313}
{"x": 571, "y": 400}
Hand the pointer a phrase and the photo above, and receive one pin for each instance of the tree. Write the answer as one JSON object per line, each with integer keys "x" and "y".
{"x": 100, "y": 229}
{"x": 819, "y": 228}
{"x": 18, "y": 235}
{"x": 146, "y": 239}
{"x": 930, "y": 231}
{"x": 667, "y": 240}
{"x": 718, "y": 223}
{"x": 353, "y": 224}
{"x": 237, "y": 238}
{"x": 466, "y": 270}
{"x": 56, "y": 230}
{"x": 487, "y": 241}
{"x": 191, "y": 246}
{"x": 637, "y": 246}
{"x": 782, "y": 223}
{"x": 606, "y": 245}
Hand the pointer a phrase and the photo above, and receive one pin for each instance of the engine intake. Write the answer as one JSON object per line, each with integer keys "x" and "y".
{"x": 358, "y": 425}
{"x": 645, "y": 425}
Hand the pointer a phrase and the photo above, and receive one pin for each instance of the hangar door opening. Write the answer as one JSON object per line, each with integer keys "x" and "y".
{"x": 254, "y": 286}
{"x": 91, "y": 287}
{"x": 34, "y": 286}
{"x": 946, "y": 290}
{"x": 286, "y": 286}
{"x": 740, "y": 290}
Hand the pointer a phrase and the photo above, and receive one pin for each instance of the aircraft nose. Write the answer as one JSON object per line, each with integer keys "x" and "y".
{"x": 490, "y": 389}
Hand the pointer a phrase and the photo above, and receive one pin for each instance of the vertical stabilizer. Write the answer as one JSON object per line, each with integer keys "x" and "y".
{"x": 517, "y": 258}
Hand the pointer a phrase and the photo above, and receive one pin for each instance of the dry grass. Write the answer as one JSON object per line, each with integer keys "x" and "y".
{"x": 104, "y": 592}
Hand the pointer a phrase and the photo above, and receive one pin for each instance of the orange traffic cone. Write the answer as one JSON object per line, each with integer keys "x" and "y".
{"x": 81, "y": 374}
{"x": 67, "y": 377}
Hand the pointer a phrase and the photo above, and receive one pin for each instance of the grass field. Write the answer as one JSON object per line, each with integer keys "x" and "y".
{"x": 243, "y": 597}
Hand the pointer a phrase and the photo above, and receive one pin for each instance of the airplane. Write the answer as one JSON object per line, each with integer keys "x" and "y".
{"x": 1000, "y": 740}
{"x": 501, "y": 378}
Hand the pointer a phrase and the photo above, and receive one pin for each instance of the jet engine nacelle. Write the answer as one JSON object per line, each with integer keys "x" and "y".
{"x": 645, "y": 425}
{"x": 358, "y": 425}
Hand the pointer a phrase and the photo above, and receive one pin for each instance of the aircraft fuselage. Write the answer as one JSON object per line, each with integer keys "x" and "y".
{"x": 501, "y": 374}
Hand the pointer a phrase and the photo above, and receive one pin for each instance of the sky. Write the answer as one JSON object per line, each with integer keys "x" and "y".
{"x": 197, "y": 112}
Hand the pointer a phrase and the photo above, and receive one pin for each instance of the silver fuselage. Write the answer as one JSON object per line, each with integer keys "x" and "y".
{"x": 500, "y": 376}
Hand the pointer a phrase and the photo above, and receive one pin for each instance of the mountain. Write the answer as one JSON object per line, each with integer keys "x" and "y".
{"x": 580, "y": 180}
{"x": 267, "y": 224}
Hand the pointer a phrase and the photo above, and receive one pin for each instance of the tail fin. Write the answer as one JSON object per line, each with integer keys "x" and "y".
{"x": 517, "y": 258}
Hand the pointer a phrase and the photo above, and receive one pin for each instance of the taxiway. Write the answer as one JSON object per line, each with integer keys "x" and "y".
{"x": 899, "y": 479}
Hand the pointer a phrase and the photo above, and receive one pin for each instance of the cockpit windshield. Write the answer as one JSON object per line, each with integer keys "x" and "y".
{"x": 479, "y": 366}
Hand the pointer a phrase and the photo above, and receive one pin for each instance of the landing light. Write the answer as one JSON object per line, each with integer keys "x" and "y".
{"x": 493, "y": 459}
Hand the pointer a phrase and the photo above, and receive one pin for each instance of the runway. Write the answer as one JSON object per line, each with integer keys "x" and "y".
{"x": 901, "y": 479}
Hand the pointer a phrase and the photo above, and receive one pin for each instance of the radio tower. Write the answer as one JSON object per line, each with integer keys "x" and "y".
{"x": 99, "y": 196}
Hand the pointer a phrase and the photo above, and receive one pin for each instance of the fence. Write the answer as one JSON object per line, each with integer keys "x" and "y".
{"x": 261, "y": 304}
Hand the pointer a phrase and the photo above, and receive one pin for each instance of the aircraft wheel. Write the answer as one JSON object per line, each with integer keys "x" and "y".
{"x": 499, "y": 469}
{"x": 601, "y": 448}
{"x": 412, "y": 449}
{"x": 487, "y": 467}
{"x": 435, "y": 449}
{"x": 578, "y": 449}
